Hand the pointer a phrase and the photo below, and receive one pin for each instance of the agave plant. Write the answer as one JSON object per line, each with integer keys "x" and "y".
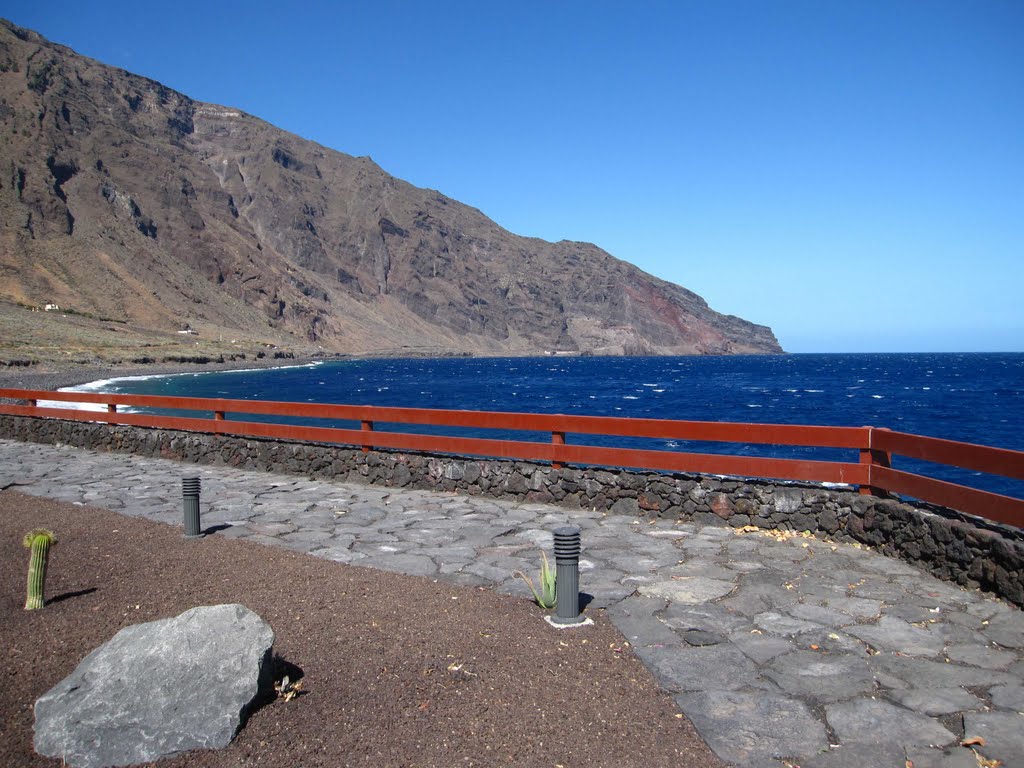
{"x": 546, "y": 597}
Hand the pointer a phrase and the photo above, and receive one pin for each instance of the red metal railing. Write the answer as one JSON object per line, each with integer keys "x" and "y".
{"x": 873, "y": 471}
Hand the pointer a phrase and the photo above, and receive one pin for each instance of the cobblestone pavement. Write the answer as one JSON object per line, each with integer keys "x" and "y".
{"x": 782, "y": 650}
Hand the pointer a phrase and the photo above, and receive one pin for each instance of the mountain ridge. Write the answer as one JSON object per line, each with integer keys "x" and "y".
{"x": 135, "y": 204}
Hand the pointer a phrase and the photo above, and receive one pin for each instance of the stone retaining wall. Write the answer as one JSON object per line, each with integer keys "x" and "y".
{"x": 956, "y": 548}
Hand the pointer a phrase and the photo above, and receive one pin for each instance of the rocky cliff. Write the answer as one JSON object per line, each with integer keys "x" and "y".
{"x": 129, "y": 203}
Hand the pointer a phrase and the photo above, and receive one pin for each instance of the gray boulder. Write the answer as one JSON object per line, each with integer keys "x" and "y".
{"x": 159, "y": 688}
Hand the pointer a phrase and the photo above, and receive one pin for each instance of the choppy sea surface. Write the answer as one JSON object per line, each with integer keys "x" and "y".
{"x": 977, "y": 397}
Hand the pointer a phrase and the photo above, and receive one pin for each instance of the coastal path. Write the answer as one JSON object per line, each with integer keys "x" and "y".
{"x": 781, "y": 648}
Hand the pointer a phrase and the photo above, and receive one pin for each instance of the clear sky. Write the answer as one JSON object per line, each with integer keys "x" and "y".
{"x": 850, "y": 173}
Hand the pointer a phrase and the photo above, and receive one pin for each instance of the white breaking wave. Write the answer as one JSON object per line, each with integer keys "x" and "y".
{"x": 98, "y": 407}
{"x": 101, "y": 385}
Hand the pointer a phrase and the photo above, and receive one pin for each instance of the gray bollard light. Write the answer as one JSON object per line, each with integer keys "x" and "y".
{"x": 190, "y": 498}
{"x": 567, "y": 575}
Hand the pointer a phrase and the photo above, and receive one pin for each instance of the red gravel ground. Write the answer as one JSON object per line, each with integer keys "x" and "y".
{"x": 397, "y": 670}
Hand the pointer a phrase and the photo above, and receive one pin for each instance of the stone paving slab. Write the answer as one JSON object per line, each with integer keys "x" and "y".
{"x": 783, "y": 650}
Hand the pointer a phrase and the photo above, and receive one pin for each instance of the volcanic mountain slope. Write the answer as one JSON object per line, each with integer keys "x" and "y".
{"x": 124, "y": 200}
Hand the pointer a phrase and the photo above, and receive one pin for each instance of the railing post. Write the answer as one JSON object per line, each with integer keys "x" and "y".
{"x": 873, "y": 458}
{"x": 557, "y": 438}
{"x": 366, "y": 426}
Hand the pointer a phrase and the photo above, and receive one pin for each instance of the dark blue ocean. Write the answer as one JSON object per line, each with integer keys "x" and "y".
{"x": 976, "y": 398}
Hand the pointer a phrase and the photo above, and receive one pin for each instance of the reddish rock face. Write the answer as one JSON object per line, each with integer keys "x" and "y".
{"x": 722, "y": 505}
{"x": 126, "y": 200}
{"x": 648, "y": 501}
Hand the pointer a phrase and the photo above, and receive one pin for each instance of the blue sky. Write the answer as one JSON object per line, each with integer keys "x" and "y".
{"x": 849, "y": 173}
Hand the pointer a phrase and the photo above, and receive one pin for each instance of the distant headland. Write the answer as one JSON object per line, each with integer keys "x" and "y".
{"x": 139, "y": 224}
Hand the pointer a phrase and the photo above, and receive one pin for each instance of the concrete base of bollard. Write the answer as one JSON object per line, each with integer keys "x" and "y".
{"x": 581, "y": 623}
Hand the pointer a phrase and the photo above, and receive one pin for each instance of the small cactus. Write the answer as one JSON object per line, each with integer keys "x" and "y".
{"x": 38, "y": 542}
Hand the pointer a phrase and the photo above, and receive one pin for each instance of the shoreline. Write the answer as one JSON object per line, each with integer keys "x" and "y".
{"x": 52, "y": 378}
{"x": 54, "y": 375}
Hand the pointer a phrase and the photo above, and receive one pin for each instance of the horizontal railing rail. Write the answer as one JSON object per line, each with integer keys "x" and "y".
{"x": 872, "y": 471}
